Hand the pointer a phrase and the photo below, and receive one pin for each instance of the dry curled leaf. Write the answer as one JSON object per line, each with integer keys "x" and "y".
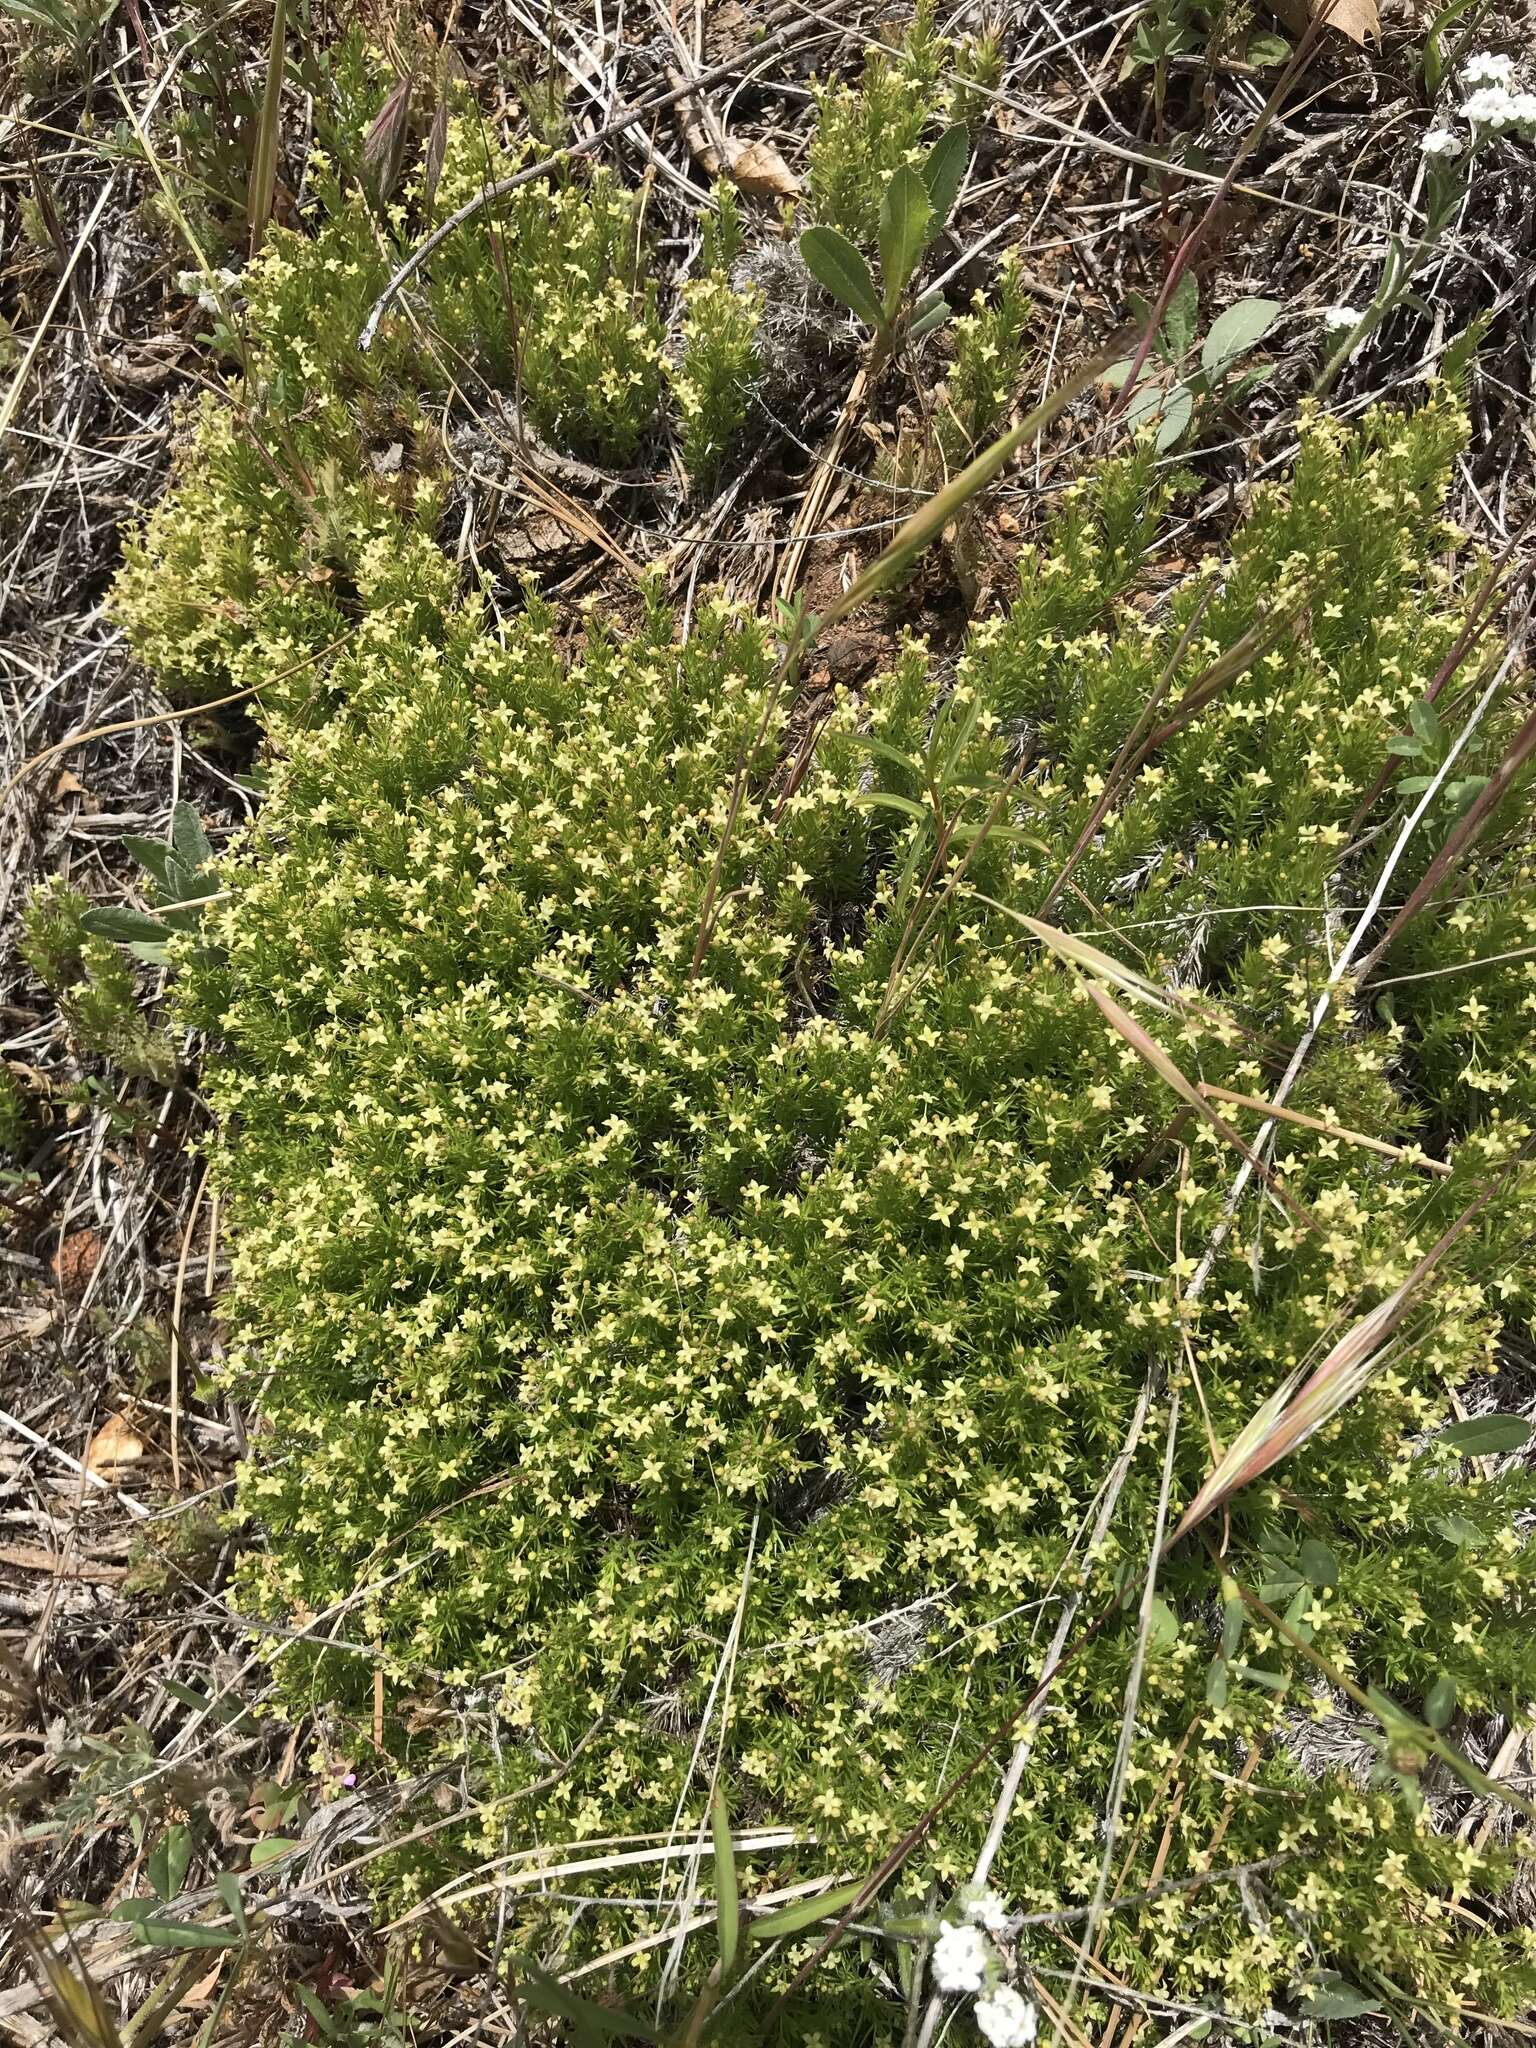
{"x": 1360, "y": 20}
{"x": 757, "y": 169}
{"x": 116, "y": 1443}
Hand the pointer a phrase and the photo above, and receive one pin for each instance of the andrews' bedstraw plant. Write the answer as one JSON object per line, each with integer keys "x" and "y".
{"x": 576, "y": 1274}
{"x": 989, "y": 350}
{"x": 545, "y": 297}
{"x": 914, "y": 209}
{"x": 92, "y": 983}
{"x": 867, "y": 132}
{"x": 713, "y": 378}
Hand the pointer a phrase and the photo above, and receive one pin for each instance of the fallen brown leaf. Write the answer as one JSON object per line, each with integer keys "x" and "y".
{"x": 18, "y": 1324}
{"x": 1360, "y": 20}
{"x": 757, "y": 169}
{"x": 117, "y": 1442}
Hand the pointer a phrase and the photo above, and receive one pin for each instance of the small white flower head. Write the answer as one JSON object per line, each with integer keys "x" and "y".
{"x": 1491, "y": 108}
{"x": 1338, "y": 319}
{"x": 1522, "y": 111}
{"x": 1007, "y": 2020}
{"x": 961, "y": 1958}
{"x": 205, "y": 286}
{"x": 1484, "y": 68}
{"x": 988, "y": 1909}
{"x": 1441, "y": 142}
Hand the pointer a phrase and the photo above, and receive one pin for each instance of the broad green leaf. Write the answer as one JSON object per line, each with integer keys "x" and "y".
{"x": 1319, "y": 1565}
{"x": 1425, "y": 720}
{"x": 1005, "y": 835}
{"x": 188, "y": 839}
{"x": 727, "y": 1895}
{"x": 839, "y": 268}
{"x": 124, "y": 925}
{"x": 888, "y": 800}
{"x": 1176, "y": 417}
{"x": 1179, "y": 322}
{"x": 1332, "y": 1997}
{"x": 169, "y": 1859}
{"x": 906, "y": 214}
{"x": 319, "y": 2012}
{"x": 1440, "y": 1702}
{"x": 804, "y": 1913}
{"x": 591, "y": 2022}
{"x": 1233, "y": 1616}
{"x": 1146, "y": 405}
{"x": 944, "y": 173}
{"x": 930, "y": 321}
{"x": 1273, "y": 1591}
{"x": 1216, "y": 1683}
{"x": 1434, "y": 54}
{"x": 1265, "y": 52}
{"x": 1164, "y": 1632}
{"x": 153, "y": 855}
{"x": 1254, "y": 1674}
{"x": 1486, "y": 1436}
{"x": 134, "y": 1909}
{"x": 1458, "y": 1531}
{"x": 1238, "y": 329}
{"x": 1296, "y": 1614}
{"x": 271, "y": 1847}
{"x": 886, "y": 751}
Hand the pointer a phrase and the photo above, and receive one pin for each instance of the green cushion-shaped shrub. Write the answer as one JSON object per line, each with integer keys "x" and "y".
{"x": 606, "y": 1309}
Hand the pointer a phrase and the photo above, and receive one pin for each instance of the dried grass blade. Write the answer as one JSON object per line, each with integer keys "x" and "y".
{"x": 1291, "y": 1415}
{"x": 72, "y": 1996}
{"x": 1079, "y": 953}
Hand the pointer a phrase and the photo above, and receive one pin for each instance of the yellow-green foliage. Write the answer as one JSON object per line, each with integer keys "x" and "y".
{"x": 908, "y": 92}
{"x": 596, "y": 1303}
{"x": 543, "y": 305}
{"x": 718, "y": 366}
{"x": 93, "y": 985}
{"x": 16, "y": 1126}
{"x": 989, "y": 358}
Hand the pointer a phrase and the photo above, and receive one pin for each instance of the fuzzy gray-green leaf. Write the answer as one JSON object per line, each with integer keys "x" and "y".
{"x": 906, "y": 215}
{"x": 839, "y": 268}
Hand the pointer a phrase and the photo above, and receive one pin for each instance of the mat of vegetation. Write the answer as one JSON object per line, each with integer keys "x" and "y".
{"x": 881, "y": 1317}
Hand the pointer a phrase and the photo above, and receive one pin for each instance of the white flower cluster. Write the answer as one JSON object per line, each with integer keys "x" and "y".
{"x": 206, "y": 286}
{"x": 965, "y": 1961}
{"x": 1006, "y": 2018}
{"x": 1491, "y": 107}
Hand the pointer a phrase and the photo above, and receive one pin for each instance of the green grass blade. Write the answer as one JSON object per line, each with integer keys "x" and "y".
{"x": 727, "y": 1893}
{"x": 805, "y": 1912}
{"x": 930, "y": 520}
{"x": 268, "y": 133}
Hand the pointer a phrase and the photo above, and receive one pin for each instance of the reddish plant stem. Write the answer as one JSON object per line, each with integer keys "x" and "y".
{"x": 1187, "y": 250}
